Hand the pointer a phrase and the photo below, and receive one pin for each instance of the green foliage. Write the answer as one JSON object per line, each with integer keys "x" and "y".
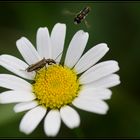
{"x": 117, "y": 24}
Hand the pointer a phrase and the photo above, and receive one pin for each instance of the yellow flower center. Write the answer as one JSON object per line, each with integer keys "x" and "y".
{"x": 55, "y": 86}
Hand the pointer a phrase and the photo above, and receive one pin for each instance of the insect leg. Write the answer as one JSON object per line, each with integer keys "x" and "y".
{"x": 86, "y": 23}
{"x": 45, "y": 71}
{"x": 37, "y": 71}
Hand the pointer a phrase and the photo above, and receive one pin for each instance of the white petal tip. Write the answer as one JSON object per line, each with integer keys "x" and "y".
{"x": 106, "y": 111}
{"x": 16, "y": 111}
{"x": 19, "y": 41}
{"x": 83, "y": 33}
{"x": 42, "y": 28}
{"x": 3, "y": 100}
{"x": 117, "y": 66}
{"x": 21, "y": 38}
{"x": 70, "y": 117}
{"x": 91, "y": 105}
{"x": 52, "y": 123}
{"x": 1, "y": 56}
{"x": 50, "y": 134}
{"x": 60, "y": 24}
{"x": 77, "y": 125}
{"x": 24, "y": 131}
{"x": 104, "y": 45}
{"x": 32, "y": 119}
{"x": 118, "y": 81}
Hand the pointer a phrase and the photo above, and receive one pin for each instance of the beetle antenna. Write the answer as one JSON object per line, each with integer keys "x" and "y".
{"x": 58, "y": 55}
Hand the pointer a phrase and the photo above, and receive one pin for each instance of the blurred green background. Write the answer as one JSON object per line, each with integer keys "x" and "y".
{"x": 117, "y": 24}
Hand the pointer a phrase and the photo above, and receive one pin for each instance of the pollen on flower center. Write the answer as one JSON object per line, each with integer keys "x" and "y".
{"x": 55, "y": 86}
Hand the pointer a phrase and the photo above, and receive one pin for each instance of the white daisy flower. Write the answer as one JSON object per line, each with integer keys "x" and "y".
{"x": 53, "y": 91}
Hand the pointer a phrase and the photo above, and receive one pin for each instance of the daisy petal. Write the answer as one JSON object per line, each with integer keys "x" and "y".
{"x": 16, "y": 96}
{"x": 52, "y": 123}
{"x": 32, "y": 119}
{"x": 91, "y": 105}
{"x": 27, "y": 51}
{"x": 70, "y": 117}
{"x": 91, "y": 57}
{"x": 16, "y": 66}
{"x": 58, "y": 37}
{"x": 25, "y": 106}
{"x": 98, "y": 71}
{"x": 14, "y": 82}
{"x": 105, "y": 82}
{"x": 93, "y": 93}
{"x": 43, "y": 43}
{"x": 76, "y": 48}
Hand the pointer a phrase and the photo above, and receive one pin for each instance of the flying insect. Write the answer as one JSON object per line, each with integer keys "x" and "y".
{"x": 80, "y": 16}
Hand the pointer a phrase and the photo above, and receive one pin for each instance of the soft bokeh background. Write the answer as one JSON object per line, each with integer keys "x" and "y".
{"x": 117, "y": 24}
